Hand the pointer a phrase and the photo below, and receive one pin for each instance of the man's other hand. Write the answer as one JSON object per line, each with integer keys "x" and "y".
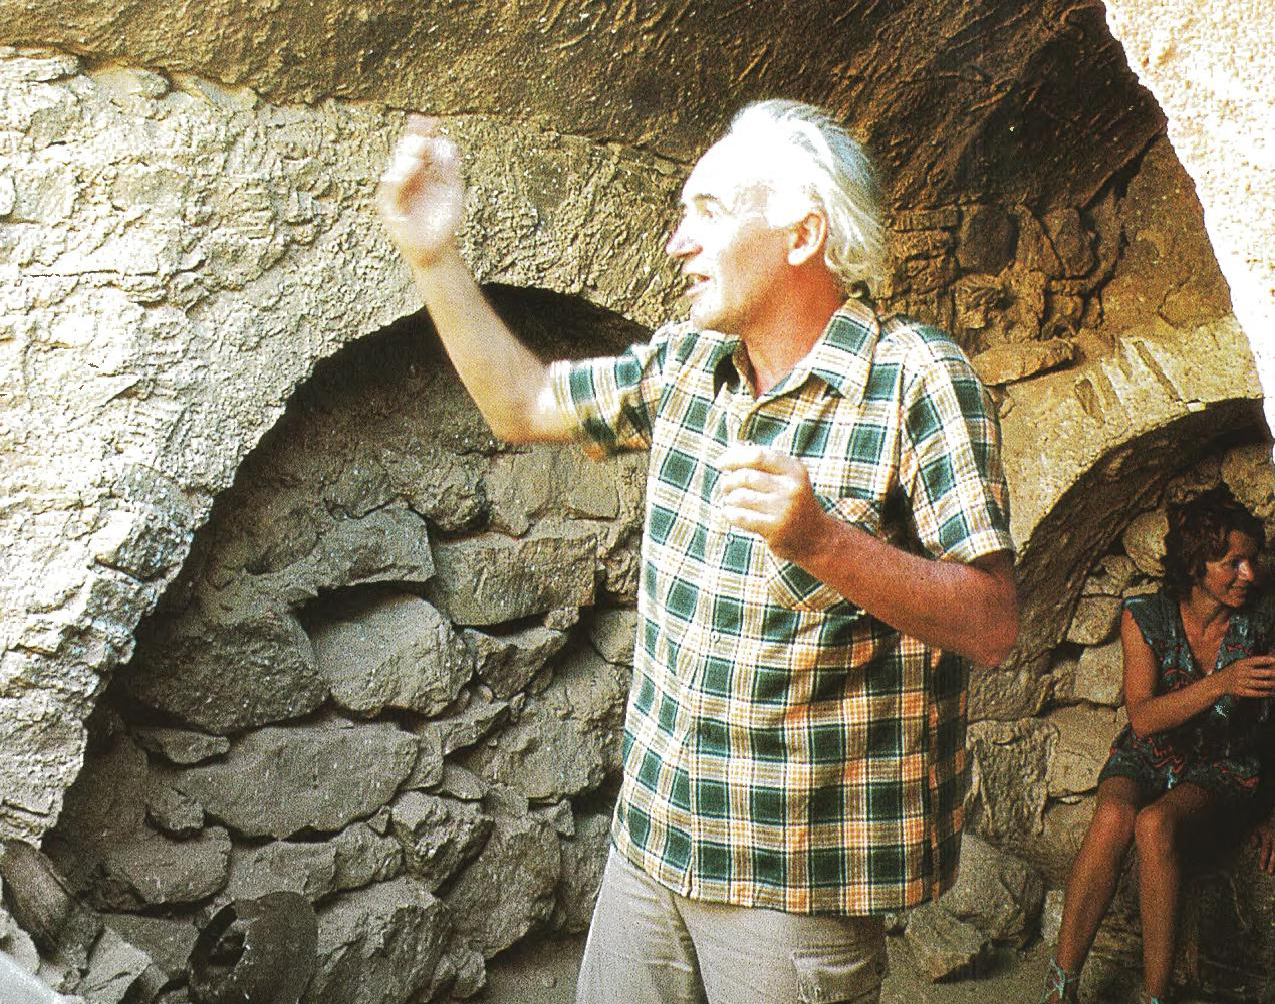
{"x": 769, "y": 493}
{"x": 421, "y": 197}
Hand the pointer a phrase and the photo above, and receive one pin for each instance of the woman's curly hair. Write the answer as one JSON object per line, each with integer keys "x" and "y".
{"x": 1199, "y": 531}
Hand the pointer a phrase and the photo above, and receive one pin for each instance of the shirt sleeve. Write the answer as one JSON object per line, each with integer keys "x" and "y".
{"x": 951, "y": 464}
{"x": 612, "y": 400}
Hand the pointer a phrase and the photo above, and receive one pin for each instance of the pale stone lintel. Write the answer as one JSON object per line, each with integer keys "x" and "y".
{"x": 1096, "y": 407}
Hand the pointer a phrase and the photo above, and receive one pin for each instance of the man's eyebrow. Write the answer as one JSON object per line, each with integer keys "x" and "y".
{"x": 699, "y": 199}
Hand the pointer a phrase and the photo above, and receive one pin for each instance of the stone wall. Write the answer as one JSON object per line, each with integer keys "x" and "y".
{"x": 252, "y": 528}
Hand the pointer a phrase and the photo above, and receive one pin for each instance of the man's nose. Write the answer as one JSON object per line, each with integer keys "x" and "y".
{"x": 1246, "y": 571}
{"x": 679, "y": 243}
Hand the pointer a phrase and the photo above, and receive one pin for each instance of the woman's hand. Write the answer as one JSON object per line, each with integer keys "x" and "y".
{"x": 1263, "y": 839}
{"x": 1253, "y": 676}
{"x": 421, "y": 197}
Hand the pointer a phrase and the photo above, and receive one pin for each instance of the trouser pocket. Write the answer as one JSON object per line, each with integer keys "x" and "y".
{"x": 827, "y": 975}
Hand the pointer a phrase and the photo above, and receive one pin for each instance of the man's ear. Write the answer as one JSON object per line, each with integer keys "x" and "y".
{"x": 806, "y": 238}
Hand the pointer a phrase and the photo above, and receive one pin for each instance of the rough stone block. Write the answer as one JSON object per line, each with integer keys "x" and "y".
{"x": 583, "y": 858}
{"x": 1247, "y": 471}
{"x": 613, "y": 633}
{"x": 1010, "y": 759}
{"x": 150, "y": 870}
{"x": 1143, "y": 541}
{"x": 388, "y": 545}
{"x": 1003, "y": 364}
{"x": 281, "y": 780}
{"x": 509, "y": 889}
{"x": 1095, "y": 620}
{"x": 491, "y": 578}
{"x": 549, "y": 480}
{"x": 566, "y": 739}
{"x": 166, "y": 941}
{"x": 944, "y": 947}
{"x": 1099, "y": 677}
{"x": 1054, "y": 849}
{"x": 508, "y": 662}
{"x": 181, "y": 746}
{"x": 19, "y": 947}
{"x": 1071, "y": 241}
{"x": 996, "y": 892}
{"x": 118, "y": 971}
{"x": 428, "y": 770}
{"x": 458, "y": 782}
{"x": 1051, "y": 916}
{"x": 282, "y": 866}
{"x": 227, "y": 670}
{"x": 438, "y": 835}
{"x": 363, "y": 856}
{"x": 105, "y": 849}
{"x": 171, "y": 811}
{"x": 470, "y": 973}
{"x": 394, "y": 651}
{"x": 1085, "y": 734}
{"x": 382, "y": 944}
{"x": 987, "y": 239}
{"x": 1111, "y": 576}
{"x": 469, "y": 726}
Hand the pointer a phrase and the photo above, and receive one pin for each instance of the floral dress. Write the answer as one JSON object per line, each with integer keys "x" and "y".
{"x": 1223, "y": 747}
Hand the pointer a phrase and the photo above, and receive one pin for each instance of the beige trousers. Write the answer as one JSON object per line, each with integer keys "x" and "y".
{"x": 648, "y": 945}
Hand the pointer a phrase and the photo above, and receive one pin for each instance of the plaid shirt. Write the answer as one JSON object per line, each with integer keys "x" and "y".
{"x": 782, "y": 748}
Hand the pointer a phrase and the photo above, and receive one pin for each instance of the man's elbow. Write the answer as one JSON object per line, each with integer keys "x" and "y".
{"x": 998, "y": 644}
{"x": 528, "y": 427}
{"x": 513, "y": 433}
{"x": 997, "y": 640}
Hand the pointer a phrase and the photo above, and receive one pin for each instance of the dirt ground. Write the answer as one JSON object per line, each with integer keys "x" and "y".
{"x": 545, "y": 973}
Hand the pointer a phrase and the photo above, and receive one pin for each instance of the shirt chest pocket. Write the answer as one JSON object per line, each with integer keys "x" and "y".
{"x": 791, "y": 586}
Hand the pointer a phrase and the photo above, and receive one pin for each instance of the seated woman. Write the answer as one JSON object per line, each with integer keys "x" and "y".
{"x": 1198, "y": 686}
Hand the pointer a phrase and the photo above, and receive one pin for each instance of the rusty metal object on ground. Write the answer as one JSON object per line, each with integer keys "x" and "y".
{"x": 255, "y": 951}
{"x": 41, "y": 903}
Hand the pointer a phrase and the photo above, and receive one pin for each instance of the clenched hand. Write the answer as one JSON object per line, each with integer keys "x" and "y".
{"x": 769, "y": 493}
{"x": 421, "y": 197}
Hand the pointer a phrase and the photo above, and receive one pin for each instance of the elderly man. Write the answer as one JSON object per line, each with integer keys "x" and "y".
{"x": 826, "y": 546}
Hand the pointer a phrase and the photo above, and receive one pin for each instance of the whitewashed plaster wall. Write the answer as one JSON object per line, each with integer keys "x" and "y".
{"x": 1211, "y": 66}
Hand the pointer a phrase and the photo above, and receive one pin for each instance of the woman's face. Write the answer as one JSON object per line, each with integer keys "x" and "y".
{"x": 1229, "y": 579}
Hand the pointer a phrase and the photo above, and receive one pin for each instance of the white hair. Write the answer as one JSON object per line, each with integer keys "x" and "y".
{"x": 815, "y": 163}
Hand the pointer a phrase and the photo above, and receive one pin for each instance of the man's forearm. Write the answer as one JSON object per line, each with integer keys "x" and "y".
{"x": 971, "y": 609}
{"x": 507, "y": 381}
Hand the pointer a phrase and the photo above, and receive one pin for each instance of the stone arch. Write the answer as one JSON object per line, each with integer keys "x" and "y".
{"x": 1084, "y": 432}
{"x": 389, "y": 677}
{"x": 178, "y": 243}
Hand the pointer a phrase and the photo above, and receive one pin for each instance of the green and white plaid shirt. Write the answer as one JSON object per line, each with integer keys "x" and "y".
{"x": 782, "y": 748}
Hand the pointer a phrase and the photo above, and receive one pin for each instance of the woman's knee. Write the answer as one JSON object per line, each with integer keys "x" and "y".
{"x": 1113, "y": 821}
{"x": 1155, "y": 831}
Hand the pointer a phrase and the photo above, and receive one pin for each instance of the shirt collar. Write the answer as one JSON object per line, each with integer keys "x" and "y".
{"x": 841, "y": 358}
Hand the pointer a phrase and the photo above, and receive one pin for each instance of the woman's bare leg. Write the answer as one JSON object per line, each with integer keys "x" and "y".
{"x": 1159, "y": 831}
{"x": 1096, "y": 870}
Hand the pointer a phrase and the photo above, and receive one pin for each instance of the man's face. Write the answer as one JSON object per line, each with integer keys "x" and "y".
{"x": 731, "y": 255}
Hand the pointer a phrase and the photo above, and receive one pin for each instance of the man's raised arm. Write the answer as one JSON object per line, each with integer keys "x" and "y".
{"x": 421, "y": 199}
